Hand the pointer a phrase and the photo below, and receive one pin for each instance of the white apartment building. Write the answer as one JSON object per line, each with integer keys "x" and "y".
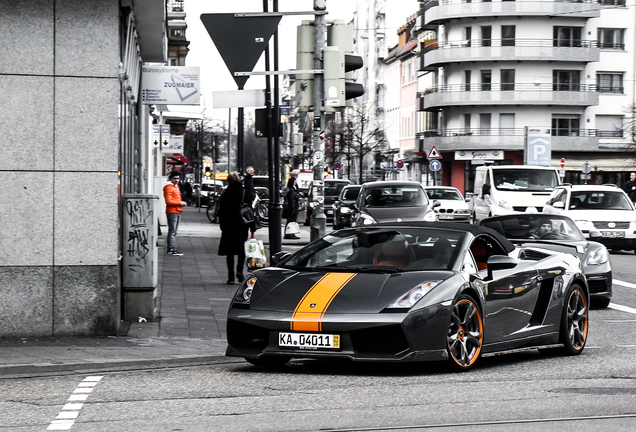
{"x": 489, "y": 69}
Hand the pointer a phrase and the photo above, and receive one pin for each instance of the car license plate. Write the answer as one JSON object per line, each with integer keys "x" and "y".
{"x": 329, "y": 211}
{"x": 446, "y": 216}
{"x": 308, "y": 340}
{"x": 613, "y": 233}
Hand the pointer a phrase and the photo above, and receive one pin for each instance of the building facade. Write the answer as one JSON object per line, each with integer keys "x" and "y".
{"x": 495, "y": 68}
{"x": 70, "y": 84}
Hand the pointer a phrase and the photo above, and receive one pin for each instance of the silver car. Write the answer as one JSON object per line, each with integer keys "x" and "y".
{"x": 391, "y": 201}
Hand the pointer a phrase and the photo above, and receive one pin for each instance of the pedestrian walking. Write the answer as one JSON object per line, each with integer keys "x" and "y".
{"x": 233, "y": 232}
{"x": 187, "y": 192}
{"x": 174, "y": 207}
{"x": 630, "y": 187}
{"x": 250, "y": 193}
{"x": 292, "y": 199}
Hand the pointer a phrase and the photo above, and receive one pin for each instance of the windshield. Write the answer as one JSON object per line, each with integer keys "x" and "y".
{"x": 394, "y": 196}
{"x": 351, "y": 193}
{"x": 444, "y": 194}
{"x": 535, "y": 227}
{"x": 334, "y": 189}
{"x": 599, "y": 200}
{"x": 372, "y": 250}
{"x": 525, "y": 180}
{"x": 211, "y": 187}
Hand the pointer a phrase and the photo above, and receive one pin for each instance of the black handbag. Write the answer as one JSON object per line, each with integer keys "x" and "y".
{"x": 247, "y": 212}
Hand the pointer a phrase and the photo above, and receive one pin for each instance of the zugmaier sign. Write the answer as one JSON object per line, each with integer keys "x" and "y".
{"x": 170, "y": 85}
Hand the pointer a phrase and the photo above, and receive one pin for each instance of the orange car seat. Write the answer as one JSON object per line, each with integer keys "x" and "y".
{"x": 393, "y": 253}
{"x": 481, "y": 253}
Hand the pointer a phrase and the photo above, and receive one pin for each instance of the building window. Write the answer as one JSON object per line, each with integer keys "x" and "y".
{"x": 567, "y": 36}
{"x": 485, "y": 124}
{"x": 466, "y": 130}
{"x": 612, "y": 2}
{"x": 507, "y": 79}
{"x": 486, "y": 80}
{"x": 565, "y": 125}
{"x": 467, "y": 75}
{"x": 611, "y": 38}
{"x": 173, "y": 61}
{"x": 486, "y": 35}
{"x": 468, "y": 35}
{"x": 609, "y": 126}
{"x": 506, "y": 124}
{"x": 566, "y": 80}
{"x": 609, "y": 82}
{"x": 177, "y": 32}
{"x": 508, "y": 35}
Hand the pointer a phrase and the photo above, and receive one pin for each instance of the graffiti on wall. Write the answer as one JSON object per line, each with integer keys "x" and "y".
{"x": 139, "y": 213}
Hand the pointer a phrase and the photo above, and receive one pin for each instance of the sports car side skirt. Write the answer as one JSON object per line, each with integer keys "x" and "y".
{"x": 518, "y": 350}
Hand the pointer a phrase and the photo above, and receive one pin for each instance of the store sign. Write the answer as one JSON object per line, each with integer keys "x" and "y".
{"x": 174, "y": 144}
{"x": 170, "y": 85}
{"x": 479, "y": 155}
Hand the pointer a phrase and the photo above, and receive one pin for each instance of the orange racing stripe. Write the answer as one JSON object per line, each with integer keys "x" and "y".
{"x": 307, "y": 318}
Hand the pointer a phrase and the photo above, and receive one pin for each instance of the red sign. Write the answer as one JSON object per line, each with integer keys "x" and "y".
{"x": 562, "y": 162}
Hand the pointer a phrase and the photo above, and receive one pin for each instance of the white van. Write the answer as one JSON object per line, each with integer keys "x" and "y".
{"x": 505, "y": 189}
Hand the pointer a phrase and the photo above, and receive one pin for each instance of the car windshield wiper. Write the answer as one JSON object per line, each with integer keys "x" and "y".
{"x": 378, "y": 268}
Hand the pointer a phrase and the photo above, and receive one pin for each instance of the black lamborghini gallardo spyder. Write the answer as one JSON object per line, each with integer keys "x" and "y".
{"x": 409, "y": 292}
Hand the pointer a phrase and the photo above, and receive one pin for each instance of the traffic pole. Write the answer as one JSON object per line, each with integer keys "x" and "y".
{"x": 318, "y": 221}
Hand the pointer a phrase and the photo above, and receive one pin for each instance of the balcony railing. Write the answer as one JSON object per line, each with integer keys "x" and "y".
{"x": 515, "y": 132}
{"x": 480, "y": 87}
{"x": 440, "y": 11}
{"x": 511, "y": 42}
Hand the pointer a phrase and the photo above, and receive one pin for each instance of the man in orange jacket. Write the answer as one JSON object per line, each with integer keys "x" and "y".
{"x": 174, "y": 206}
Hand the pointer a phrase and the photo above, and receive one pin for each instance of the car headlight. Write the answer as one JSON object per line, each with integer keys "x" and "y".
{"x": 413, "y": 295}
{"x": 598, "y": 256}
{"x": 244, "y": 293}
{"x": 367, "y": 220}
{"x": 462, "y": 211}
{"x": 430, "y": 216}
{"x": 504, "y": 204}
{"x": 345, "y": 210}
{"x": 584, "y": 225}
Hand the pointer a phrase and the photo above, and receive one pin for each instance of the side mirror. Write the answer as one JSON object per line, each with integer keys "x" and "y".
{"x": 595, "y": 235}
{"x": 500, "y": 262}
{"x": 485, "y": 190}
{"x": 559, "y": 205}
{"x": 279, "y": 257}
{"x": 436, "y": 204}
{"x": 353, "y": 206}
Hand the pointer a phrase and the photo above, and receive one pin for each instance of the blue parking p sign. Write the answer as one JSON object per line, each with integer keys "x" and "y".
{"x": 538, "y": 149}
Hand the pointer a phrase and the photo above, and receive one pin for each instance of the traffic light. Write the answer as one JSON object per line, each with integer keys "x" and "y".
{"x": 339, "y": 63}
{"x": 215, "y": 149}
{"x": 305, "y": 61}
{"x": 208, "y": 173}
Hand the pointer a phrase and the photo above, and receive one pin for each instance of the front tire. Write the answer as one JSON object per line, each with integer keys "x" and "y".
{"x": 465, "y": 334}
{"x": 574, "y": 321}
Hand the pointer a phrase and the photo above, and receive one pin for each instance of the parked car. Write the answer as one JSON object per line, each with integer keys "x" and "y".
{"x": 409, "y": 292}
{"x": 391, "y": 201}
{"x": 208, "y": 187}
{"x": 331, "y": 191}
{"x": 562, "y": 235}
{"x": 341, "y": 210}
{"x": 453, "y": 207}
{"x": 605, "y": 208}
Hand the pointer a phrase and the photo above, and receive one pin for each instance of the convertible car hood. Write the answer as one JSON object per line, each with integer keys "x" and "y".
{"x": 392, "y": 214}
{"x": 339, "y": 292}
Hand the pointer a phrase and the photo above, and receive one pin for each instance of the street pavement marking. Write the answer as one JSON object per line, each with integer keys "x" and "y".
{"x": 622, "y": 308}
{"x": 625, "y": 284}
{"x": 66, "y": 418}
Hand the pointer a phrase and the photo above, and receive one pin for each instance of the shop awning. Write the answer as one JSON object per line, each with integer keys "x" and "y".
{"x": 177, "y": 159}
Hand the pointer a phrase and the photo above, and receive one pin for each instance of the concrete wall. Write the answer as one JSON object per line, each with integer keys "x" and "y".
{"x": 59, "y": 115}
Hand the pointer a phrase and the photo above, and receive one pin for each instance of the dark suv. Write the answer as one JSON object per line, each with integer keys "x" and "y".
{"x": 332, "y": 189}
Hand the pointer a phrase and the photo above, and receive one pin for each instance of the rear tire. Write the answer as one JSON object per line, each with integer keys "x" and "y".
{"x": 465, "y": 334}
{"x": 574, "y": 321}
{"x": 211, "y": 213}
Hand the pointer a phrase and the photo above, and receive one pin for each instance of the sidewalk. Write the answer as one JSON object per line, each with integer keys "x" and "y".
{"x": 192, "y": 299}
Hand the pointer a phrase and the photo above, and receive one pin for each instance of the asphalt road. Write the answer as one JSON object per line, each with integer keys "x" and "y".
{"x": 519, "y": 392}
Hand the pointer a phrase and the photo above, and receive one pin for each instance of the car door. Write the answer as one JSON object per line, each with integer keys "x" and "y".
{"x": 510, "y": 294}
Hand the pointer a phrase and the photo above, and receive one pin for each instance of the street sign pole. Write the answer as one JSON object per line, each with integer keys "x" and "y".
{"x": 318, "y": 221}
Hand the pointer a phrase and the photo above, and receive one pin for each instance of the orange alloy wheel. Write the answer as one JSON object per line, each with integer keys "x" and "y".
{"x": 465, "y": 333}
{"x": 577, "y": 319}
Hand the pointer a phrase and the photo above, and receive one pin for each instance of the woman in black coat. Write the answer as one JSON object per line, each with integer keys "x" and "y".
{"x": 233, "y": 233}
